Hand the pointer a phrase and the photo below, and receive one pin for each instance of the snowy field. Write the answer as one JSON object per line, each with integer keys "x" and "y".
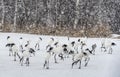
{"x": 101, "y": 65}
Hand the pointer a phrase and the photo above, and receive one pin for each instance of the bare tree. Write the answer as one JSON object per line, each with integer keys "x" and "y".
{"x": 15, "y": 16}
{"x": 3, "y": 15}
{"x": 77, "y": 13}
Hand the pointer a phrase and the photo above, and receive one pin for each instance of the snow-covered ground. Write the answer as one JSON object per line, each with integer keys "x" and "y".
{"x": 100, "y": 65}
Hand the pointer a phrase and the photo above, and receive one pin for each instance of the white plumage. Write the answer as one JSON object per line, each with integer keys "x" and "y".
{"x": 47, "y": 56}
{"x": 107, "y": 45}
{"x": 26, "y": 52}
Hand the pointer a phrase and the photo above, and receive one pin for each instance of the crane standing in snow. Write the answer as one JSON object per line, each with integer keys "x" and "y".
{"x": 10, "y": 44}
{"x": 37, "y": 46}
{"x": 107, "y": 45}
{"x": 78, "y": 57}
{"x": 47, "y": 57}
{"x": 25, "y": 56}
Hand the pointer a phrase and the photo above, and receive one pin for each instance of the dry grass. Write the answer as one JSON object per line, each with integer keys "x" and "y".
{"x": 100, "y": 31}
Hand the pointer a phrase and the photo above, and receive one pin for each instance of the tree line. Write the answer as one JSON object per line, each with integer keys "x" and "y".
{"x": 73, "y": 14}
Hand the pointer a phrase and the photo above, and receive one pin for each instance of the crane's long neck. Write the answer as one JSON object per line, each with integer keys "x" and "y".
{"x": 90, "y": 51}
